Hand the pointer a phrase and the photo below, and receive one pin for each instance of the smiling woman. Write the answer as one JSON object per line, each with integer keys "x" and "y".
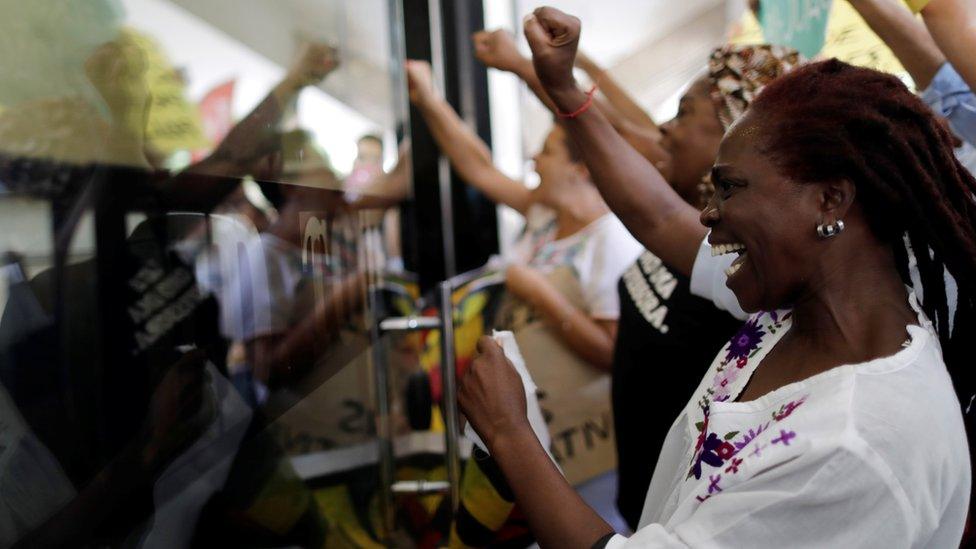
{"x": 797, "y": 434}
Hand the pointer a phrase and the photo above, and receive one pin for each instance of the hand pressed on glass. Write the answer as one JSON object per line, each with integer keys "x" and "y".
{"x": 492, "y": 395}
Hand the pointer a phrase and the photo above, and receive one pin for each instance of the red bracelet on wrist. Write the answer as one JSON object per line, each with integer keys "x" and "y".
{"x": 585, "y": 107}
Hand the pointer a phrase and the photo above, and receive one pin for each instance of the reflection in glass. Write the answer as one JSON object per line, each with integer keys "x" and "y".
{"x": 196, "y": 200}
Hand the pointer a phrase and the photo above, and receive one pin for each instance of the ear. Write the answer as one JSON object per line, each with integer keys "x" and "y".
{"x": 836, "y": 199}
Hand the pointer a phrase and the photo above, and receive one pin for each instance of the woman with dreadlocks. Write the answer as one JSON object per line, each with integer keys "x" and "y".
{"x": 830, "y": 419}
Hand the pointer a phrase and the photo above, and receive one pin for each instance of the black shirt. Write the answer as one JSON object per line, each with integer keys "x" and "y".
{"x": 666, "y": 340}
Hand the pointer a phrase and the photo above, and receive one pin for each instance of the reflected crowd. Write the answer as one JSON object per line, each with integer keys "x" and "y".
{"x": 219, "y": 326}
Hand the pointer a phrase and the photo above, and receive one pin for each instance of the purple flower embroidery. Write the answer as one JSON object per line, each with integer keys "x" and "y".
{"x": 750, "y": 436}
{"x": 787, "y": 409}
{"x": 746, "y": 341}
{"x": 707, "y": 454}
{"x": 725, "y": 451}
{"x": 725, "y": 377}
{"x": 712, "y": 452}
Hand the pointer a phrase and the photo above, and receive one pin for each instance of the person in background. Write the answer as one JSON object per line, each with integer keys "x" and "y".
{"x": 939, "y": 83}
{"x": 367, "y": 178}
{"x": 662, "y": 324}
{"x": 952, "y": 24}
{"x": 367, "y": 165}
{"x": 799, "y": 433}
{"x": 265, "y": 300}
{"x": 567, "y": 224}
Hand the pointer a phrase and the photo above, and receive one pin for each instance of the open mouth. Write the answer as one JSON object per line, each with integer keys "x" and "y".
{"x": 722, "y": 249}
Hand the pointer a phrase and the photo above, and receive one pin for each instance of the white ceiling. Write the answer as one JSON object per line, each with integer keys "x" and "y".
{"x": 614, "y": 29}
{"x": 358, "y": 28}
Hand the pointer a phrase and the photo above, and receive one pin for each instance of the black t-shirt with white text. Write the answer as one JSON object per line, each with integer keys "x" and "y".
{"x": 666, "y": 339}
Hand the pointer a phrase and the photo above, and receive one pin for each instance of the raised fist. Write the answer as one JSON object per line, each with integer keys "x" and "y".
{"x": 553, "y": 37}
{"x": 420, "y": 81}
{"x": 313, "y": 62}
{"x": 497, "y": 49}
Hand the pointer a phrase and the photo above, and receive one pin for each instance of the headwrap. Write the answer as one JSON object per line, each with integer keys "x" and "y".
{"x": 738, "y": 73}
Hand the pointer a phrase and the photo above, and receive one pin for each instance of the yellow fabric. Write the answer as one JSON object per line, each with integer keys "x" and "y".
{"x": 345, "y": 530}
{"x": 282, "y": 501}
{"x": 848, "y": 38}
{"x": 917, "y": 5}
{"x": 481, "y": 499}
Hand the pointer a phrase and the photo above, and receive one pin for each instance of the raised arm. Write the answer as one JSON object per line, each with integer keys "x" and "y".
{"x": 468, "y": 154}
{"x": 203, "y": 185}
{"x": 905, "y": 35}
{"x": 652, "y": 211}
{"x": 953, "y": 26}
{"x": 497, "y": 49}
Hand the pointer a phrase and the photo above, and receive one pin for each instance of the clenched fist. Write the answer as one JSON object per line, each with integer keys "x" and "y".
{"x": 553, "y": 37}
{"x": 497, "y": 49}
{"x": 420, "y": 81}
{"x": 313, "y": 62}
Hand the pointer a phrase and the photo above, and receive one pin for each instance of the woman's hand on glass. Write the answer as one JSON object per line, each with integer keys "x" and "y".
{"x": 420, "y": 81}
{"x": 492, "y": 396}
{"x": 497, "y": 49}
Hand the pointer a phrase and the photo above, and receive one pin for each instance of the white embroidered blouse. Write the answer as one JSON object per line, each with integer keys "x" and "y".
{"x": 863, "y": 455}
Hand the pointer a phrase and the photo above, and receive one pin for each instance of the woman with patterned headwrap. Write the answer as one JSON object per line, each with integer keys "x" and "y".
{"x": 662, "y": 323}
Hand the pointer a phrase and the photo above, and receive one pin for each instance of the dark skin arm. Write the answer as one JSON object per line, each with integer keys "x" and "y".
{"x": 490, "y": 394}
{"x": 492, "y": 399}
{"x": 636, "y": 192}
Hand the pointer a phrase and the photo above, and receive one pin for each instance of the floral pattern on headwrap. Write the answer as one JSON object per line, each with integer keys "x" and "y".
{"x": 738, "y": 73}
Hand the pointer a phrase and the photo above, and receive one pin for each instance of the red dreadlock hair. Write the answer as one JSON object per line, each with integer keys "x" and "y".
{"x": 831, "y": 121}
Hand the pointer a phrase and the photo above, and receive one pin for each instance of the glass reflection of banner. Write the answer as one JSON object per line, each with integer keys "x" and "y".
{"x": 848, "y": 39}
{"x": 216, "y": 114}
{"x": 172, "y": 122}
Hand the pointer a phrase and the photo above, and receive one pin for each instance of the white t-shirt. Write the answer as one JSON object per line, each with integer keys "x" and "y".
{"x": 598, "y": 254}
{"x": 865, "y": 455}
{"x": 259, "y": 298}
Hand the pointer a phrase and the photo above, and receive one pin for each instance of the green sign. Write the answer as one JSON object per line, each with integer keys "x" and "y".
{"x": 800, "y": 24}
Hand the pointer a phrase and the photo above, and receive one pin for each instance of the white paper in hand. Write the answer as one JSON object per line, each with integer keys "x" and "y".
{"x": 534, "y": 413}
